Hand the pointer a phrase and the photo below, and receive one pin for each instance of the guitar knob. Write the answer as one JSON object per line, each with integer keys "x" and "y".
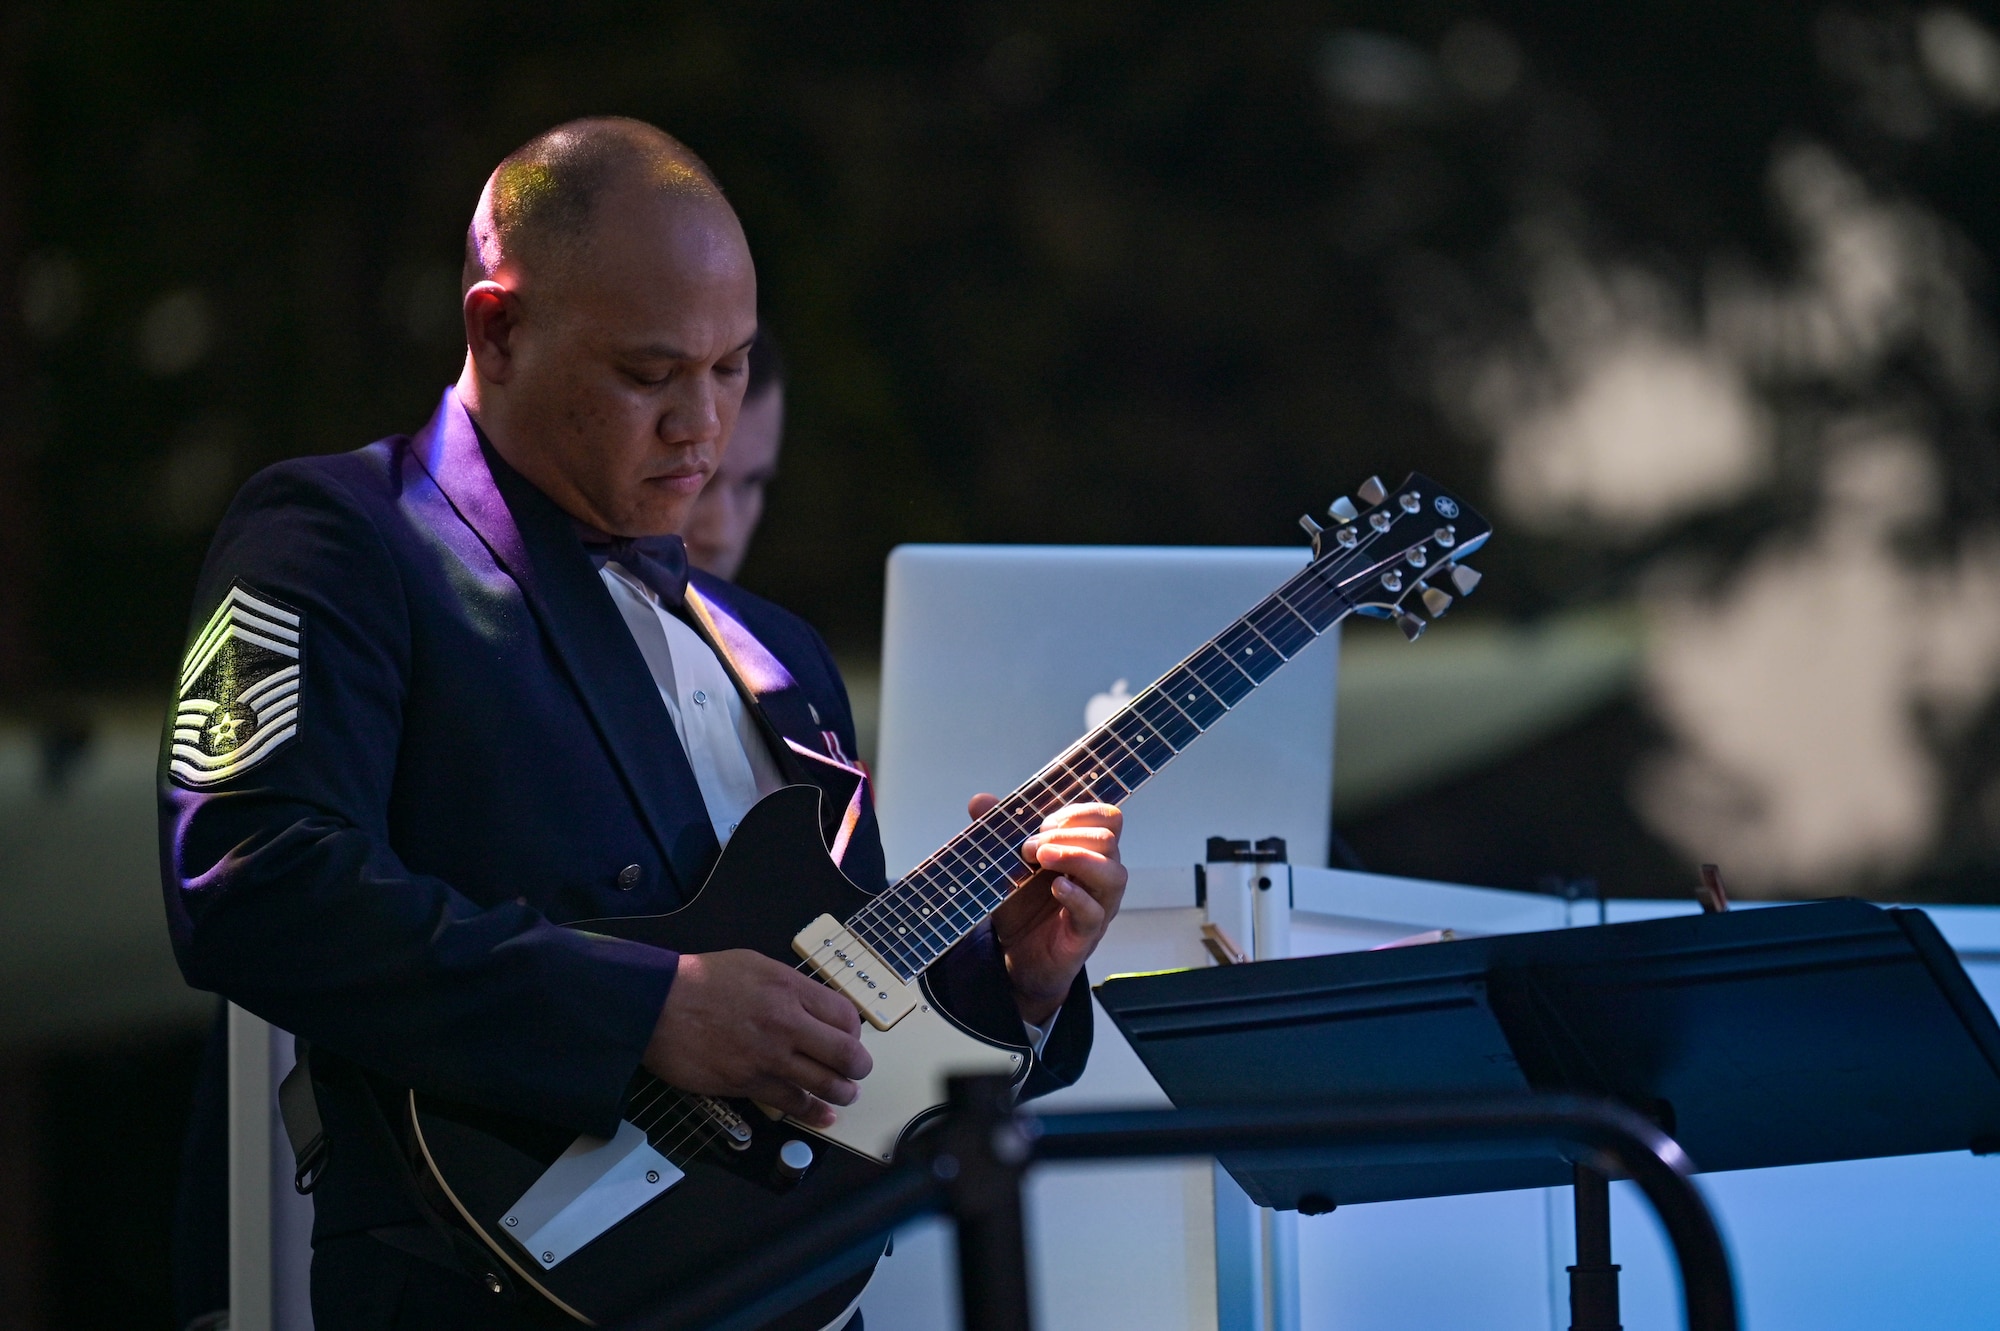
{"x": 1465, "y": 579}
{"x": 1436, "y": 601}
{"x": 794, "y": 1159}
{"x": 1413, "y": 628}
{"x": 1342, "y": 510}
{"x": 1372, "y": 491}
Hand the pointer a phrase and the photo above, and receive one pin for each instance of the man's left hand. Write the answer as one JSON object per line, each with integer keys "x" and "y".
{"x": 1051, "y": 924}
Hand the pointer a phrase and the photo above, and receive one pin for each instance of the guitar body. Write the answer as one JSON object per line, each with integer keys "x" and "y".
{"x": 772, "y": 880}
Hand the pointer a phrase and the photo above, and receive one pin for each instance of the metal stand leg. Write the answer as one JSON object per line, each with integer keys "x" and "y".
{"x": 988, "y": 1153}
{"x": 1593, "y": 1281}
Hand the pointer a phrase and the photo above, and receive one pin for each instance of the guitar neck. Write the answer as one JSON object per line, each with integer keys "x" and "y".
{"x": 946, "y": 897}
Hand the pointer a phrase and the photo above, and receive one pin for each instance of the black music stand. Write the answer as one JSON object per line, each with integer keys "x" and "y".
{"x": 1779, "y": 1036}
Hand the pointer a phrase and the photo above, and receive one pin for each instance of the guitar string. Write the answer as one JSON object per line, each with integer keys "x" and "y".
{"x": 674, "y": 1113}
{"x": 662, "y": 1095}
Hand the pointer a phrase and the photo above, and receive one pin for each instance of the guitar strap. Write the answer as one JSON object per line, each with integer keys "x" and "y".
{"x": 299, "y": 1108}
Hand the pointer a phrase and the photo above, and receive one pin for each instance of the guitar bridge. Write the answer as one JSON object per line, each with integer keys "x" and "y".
{"x": 849, "y": 965}
{"x": 735, "y": 1128}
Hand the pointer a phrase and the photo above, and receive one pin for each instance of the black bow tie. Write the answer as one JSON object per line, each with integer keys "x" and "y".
{"x": 661, "y": 562}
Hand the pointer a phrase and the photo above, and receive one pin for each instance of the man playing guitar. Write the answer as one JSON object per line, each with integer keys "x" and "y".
{"x": 444, "y": 694}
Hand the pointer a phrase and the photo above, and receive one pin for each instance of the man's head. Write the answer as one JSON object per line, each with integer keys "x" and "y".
{"x": 610, "y": 303}
{"x": 726, "y": 515}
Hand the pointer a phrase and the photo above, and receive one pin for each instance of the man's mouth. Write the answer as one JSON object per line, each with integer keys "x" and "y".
{"x": 688, "y": 482}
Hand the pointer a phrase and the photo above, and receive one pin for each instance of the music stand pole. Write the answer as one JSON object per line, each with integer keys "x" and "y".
{"x": 1593, "y": 1281}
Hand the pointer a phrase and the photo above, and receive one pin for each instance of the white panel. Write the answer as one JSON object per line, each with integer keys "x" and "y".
{"x": 1382, "y": 904}
{"x": 916, "y": 1286}
{"x": 1441, "y": 1264}
{"x": 250, "y": 1172}
{"x": 291, "y": 1211}
{"x": 1122, "y": 1244}
{"x": 270, "y": 1224}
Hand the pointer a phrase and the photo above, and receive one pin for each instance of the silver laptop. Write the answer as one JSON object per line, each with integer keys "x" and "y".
{"x": 995, "y": 657}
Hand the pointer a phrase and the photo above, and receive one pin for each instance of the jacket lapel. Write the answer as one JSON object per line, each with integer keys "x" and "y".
{"x": 537, "y": 545}
{"x": 805, "y": 750}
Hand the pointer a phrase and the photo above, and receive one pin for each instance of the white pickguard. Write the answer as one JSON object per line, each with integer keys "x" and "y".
{"x": 912, "y": 1059}
{"x": 591, "y": 1187}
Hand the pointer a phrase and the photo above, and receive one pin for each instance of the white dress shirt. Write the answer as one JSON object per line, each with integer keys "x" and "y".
{"x": 732, "y": 763}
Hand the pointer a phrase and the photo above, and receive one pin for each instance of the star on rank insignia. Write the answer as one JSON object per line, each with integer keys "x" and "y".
{"x": 239, "y": 695}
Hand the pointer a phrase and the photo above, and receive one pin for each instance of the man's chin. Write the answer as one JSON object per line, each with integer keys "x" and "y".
{"x": 652, "y": 520}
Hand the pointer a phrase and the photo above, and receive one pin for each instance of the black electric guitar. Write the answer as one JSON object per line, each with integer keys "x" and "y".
{"x": 600, "y": 1228}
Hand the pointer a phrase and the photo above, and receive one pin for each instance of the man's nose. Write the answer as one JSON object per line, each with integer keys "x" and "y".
{"x": 693, "y": 414}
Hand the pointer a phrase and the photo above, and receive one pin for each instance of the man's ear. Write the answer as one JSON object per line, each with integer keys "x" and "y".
{"x": 492, "y": 322}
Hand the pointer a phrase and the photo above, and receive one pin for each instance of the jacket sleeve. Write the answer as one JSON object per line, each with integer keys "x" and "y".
{"x": 971, "y": 982}
{"x": 282, "y": 891}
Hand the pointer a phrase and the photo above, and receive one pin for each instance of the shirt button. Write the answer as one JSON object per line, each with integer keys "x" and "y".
{"x": 700, "y": 698}
{"x": 628, "y": 877}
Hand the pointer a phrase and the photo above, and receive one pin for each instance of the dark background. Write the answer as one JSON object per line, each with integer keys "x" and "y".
{"x": 1085, "y": 272}
{"x": 1079, "y": 272}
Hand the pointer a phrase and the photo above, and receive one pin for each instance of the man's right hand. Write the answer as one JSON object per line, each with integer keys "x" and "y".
{"x": 740, "y": 1024}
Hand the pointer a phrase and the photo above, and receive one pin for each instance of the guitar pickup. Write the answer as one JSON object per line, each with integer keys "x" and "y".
{"x": 843, "y": 961}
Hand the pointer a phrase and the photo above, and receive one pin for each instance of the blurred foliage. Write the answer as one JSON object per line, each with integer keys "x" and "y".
{"x": 1125, "y": 272}
{"x": 1118, "y": 272}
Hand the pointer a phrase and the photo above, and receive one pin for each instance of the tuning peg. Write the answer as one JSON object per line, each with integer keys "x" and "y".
{"x": 1342, "y": 510}
{"x": 1465, "y": 579}
{"x": 1436, "y": 601}
{"x": 1413, "y": 628}
{"x": 1372, "y": 491}
{"x": 1312, "y": 529}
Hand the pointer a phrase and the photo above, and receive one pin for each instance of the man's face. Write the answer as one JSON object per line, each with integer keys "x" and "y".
{"x": 622, "y": 371}
{"x": 725, "y": 517}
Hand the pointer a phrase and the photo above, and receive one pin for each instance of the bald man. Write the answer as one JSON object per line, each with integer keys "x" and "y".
{"x": 726, "y": 513}
{"x": 455, "y": 689}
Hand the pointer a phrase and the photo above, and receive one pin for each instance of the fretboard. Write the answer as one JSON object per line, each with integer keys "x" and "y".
{"x": 944, "y": 898}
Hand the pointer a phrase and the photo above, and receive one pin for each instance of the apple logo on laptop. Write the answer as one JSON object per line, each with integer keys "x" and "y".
{"x": 1102, "y": 705}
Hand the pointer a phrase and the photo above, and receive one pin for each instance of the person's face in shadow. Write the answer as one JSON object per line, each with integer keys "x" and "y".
{"x": 726, "y": 514}
{"x": 612, "y": 379}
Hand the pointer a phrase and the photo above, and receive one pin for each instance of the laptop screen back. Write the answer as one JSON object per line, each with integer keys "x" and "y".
{"x": 994, "y": 657}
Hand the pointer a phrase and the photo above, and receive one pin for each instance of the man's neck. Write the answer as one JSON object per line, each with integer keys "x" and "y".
{"x": 486, "y": 409}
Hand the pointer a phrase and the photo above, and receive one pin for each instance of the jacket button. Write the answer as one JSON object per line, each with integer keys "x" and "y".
{"x": 628, "y": 877}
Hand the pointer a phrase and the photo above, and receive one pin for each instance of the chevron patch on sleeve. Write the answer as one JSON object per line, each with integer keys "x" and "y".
{"x": 239, "y": 689}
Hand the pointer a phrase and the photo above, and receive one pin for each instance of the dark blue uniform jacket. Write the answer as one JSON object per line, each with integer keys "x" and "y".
{"x": 476, "y": 754}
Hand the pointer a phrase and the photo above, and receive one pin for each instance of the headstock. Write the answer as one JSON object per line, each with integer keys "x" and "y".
{"x": 1393, "y": 550}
